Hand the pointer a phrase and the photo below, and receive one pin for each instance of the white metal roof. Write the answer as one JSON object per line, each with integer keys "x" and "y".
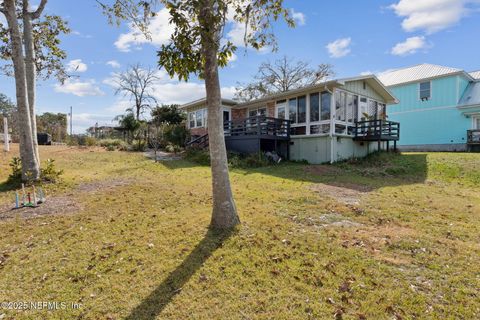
{"x": 471, "y": 97}
{"x": 415, "y": 73}
{"x": 475, "y": 74}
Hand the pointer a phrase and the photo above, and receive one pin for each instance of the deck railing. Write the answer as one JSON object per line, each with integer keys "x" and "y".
{"x": 258, "y": 126}
{"x": 473, "y": 136}
{"x": 377, "y": 130}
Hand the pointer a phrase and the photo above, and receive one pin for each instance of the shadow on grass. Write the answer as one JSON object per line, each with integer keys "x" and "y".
{"x": 158, "y": 299}
{"x": 8, "y": 185}
{"x": 374, "y": 171}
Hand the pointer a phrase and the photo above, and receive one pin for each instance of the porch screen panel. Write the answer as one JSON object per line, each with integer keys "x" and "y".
{"x": 381, "y": 111}
{"x": 352, "y": 106}
{"x": 302, "y": 109}
{"x": 326, "y": 105}
{"x": 314, "y": 107}
{"x": 292, "y": 110}
{"x": 340, "y": 105}
{"x": 372, "y": 109}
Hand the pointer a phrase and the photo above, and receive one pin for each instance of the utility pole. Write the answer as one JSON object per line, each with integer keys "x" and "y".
{"x": 71, "y": 121}
{"x": 6, "y": 146}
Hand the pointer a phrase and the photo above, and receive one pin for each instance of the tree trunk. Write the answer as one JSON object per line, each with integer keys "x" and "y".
{"x": 224, "y": 215}
{"x": 31, "y": 72}
{"x": 30, "y": 167}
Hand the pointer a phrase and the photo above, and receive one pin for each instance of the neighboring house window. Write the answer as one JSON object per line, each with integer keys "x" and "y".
{"x": 425, "y": 90}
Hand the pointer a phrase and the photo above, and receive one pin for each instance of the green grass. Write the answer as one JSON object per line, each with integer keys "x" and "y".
{"x": 141, "y": 249}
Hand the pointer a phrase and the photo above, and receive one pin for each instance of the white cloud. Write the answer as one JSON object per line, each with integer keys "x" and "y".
{"x": 79, "y": 88}
{"x": 160, "y": 32}
{"x": 76, "y": 66}
{"x": 409, "y": 46}
{"x": 81, "y": 35}
{"x": 339, "y": 48}
{"x": 431, "y": 15}
{"x": 299, "y": 17}
{"x": 114, "y": 64}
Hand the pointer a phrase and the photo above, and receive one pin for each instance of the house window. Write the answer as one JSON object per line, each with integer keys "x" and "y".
{"x": 191, "y": 119}
{"x": 292, "y": 110}
{"x": 425, "y": 90}
{"x": 320, "y": 129}
{"x": 257, "y": 112}
{"x": 325, "y": 105}
{"x": 302, "y": 109}
{"x": 199, "y": 118}
{"x": 314, "y": 107}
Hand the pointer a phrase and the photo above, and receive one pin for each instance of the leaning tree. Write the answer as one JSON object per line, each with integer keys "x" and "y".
{"x": 32, "y": 44}
{"x": 197, "y": 46}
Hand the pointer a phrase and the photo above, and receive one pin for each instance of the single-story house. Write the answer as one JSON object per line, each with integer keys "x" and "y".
{"x": 439, "y": 107}
{"x": 327, "y": 122}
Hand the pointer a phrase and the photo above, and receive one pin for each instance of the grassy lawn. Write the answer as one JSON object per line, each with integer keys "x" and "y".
{"x": 391, "y": 237}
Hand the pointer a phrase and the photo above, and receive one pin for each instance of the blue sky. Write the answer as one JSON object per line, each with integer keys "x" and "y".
{"x": 354, "y": 36}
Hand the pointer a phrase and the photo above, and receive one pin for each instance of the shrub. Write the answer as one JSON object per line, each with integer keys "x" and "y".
{"x": 173, "y": 148}
{"x": 16, "y": 167}
{"x": 113, "y": 144}
{"x": 49, "y": 173}
{"x": 138, "y": 146}
{"x": 235, "y": 160}
{"x": 81, "y": 140}
{"x": 176, "y": 134}
{"x": 199, "y": 156}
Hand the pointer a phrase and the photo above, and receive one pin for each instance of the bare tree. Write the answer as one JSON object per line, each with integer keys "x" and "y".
{"x": 282, "y": 75}
{"x": 137, "y": 84}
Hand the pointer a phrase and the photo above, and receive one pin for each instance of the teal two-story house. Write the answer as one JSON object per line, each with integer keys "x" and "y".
{"x": 439, "y": 107}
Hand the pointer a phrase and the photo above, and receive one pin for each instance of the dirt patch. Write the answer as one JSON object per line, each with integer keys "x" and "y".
{"x": 347, "y": 193}
{"x": 322, "y": 170}
{"x": 62, "y": 205}
{"x": 53, "y": 206}
{"x": 327, "y": 220}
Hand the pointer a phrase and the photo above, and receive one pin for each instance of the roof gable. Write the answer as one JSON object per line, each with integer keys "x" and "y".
{"x": 475, "y": 75}
{"x": 416, "y": 73}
